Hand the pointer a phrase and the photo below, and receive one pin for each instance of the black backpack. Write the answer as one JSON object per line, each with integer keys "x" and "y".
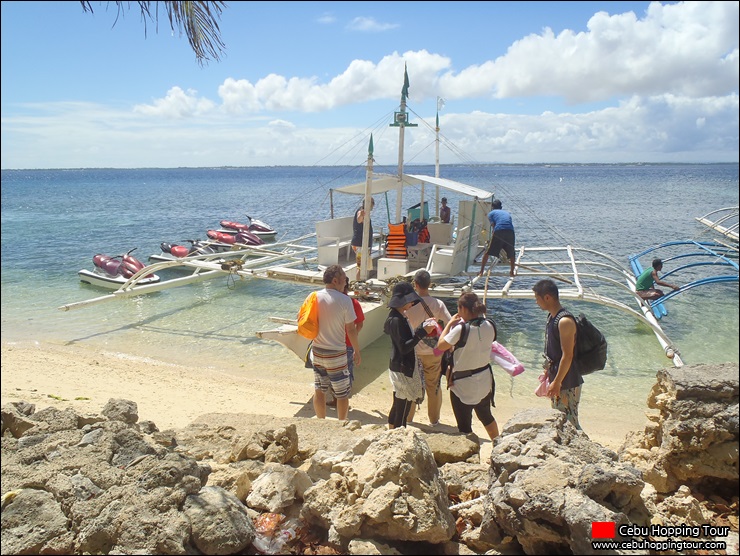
{"x": 590, "y": 351}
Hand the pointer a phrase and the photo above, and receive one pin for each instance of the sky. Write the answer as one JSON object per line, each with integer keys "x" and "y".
{"x": 521, "y": 82}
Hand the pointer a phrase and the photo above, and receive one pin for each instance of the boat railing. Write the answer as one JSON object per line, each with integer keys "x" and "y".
{"x": 726, "y": 224}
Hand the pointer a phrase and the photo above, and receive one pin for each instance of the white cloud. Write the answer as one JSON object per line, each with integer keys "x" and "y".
{"x": 663, "y": 128}
{"x": 370, "y": 25}
{"x": 685, "y": 49}
{"x": 668, "y": 86}
{"x": 326, "y": 18}
{"x": 177, "y": 104}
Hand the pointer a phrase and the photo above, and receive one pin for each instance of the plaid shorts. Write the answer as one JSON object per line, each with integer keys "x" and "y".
{"x": 330, "y": 372}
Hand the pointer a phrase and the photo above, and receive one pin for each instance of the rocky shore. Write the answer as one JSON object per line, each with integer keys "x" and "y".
{"x": 105, "y": 483}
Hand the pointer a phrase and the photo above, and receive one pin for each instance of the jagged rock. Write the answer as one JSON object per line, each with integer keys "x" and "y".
{"x": 462, "y": 476}
{"x": 50, "y": 420}
{"x": 121, "y": 410}
{"x": 693, "y": 440}
{"x": 278, "y": 487}
{"x": 452, "y": 448}
{"x": 271, "y": 445}
{"x": 392, "y": 491}
{"x": 236, "y": 477}
{"x": 549, "y": 482}
{"x": 20, "y": 525}
{"x": 87, "y": 484}
{"x": 16, "y": 420}
{"x": 219, "y": 522}
{"x": 323, "y": 463}
{"x": 362, "y": 546}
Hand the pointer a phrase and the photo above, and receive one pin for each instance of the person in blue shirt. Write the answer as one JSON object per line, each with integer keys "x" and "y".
{"x": 502, "y": 236}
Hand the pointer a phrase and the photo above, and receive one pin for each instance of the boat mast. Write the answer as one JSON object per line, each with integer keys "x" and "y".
{"x": 400, "y": 120}
{"x": 365, "y": 253}
{"x": 440, "y": 104}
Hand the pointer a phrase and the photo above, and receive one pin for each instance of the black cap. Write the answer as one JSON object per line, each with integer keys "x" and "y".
{"x": 403, "y": 293}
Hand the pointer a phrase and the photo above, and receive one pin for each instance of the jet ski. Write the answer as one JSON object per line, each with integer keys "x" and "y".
{"x": 256, "y": 227}
{"x": 113, "y": 272}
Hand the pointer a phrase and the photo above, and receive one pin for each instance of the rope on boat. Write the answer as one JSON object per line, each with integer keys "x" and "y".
{"x": 232, "y": 267}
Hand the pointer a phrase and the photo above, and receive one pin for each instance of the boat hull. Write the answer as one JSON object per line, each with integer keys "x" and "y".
{"x": 109, "y": 282}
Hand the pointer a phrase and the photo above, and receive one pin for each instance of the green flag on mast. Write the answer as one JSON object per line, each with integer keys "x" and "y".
{"x": 405, "y": 90}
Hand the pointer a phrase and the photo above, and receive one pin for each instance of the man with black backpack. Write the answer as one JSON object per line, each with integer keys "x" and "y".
{"x": 565, "y": 380}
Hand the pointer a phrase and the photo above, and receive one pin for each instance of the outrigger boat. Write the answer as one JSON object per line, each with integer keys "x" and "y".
{"x": 724, "y": 221}
{"x": 687, "y": 262}
{"x": 582, "y": 273}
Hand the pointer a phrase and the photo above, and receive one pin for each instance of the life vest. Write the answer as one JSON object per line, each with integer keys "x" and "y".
{"x": 395, "y": 247}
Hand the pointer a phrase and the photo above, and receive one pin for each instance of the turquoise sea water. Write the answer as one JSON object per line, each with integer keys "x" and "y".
{"x": 54, "y": 221}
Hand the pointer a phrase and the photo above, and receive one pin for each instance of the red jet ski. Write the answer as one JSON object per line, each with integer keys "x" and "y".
{"x": 256, "y": 227}
{"x": 113, "y": 272}
{"x": 241, "y": 237}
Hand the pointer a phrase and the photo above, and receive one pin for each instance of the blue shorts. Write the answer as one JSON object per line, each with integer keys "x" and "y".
{"x": 330, "y": 372}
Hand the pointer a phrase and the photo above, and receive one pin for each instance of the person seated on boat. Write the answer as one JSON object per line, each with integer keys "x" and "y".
{"x": 444, "y": 212}
{"x": 358, "y": 224}
{"x": 644, "y": 287}
{"x": 503, "y": 237}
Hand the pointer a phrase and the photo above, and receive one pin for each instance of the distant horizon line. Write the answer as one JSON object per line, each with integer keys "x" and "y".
{"x": 229, "y": 167}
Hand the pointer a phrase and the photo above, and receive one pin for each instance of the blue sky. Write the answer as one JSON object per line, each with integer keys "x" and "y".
{"x": 523, "y": 82}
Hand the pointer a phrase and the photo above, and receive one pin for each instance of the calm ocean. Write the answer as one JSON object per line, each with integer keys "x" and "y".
{"x": 54, "y": 221}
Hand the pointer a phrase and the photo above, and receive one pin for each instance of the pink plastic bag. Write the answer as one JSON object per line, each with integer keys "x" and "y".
{"x": 541, "y": 390}
{"x": 504, "y": 359}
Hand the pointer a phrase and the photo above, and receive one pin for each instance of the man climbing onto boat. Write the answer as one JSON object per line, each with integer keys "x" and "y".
{"x": 358, "y": 224}
{"x": 644, "y": 287}
{"x": 503, "y": 237}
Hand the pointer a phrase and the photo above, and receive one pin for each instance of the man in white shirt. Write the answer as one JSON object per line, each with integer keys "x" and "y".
{"x": 329, "y": 350}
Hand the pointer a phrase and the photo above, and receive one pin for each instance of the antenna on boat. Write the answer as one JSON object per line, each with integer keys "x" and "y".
{"x": 400, "y": 120}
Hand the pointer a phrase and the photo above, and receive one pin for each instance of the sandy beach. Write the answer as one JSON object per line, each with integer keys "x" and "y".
{"x": 172, "y": 396}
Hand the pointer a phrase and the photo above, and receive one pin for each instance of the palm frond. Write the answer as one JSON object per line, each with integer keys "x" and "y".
{"x": 199, "y": 21}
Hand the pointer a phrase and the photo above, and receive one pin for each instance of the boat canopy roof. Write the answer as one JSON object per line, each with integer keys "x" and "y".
{"x": 387, "y": 182}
